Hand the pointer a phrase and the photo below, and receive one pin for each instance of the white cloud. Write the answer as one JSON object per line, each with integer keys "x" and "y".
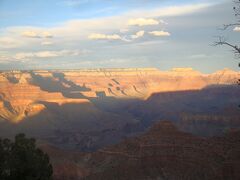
{"x": 9, "y": 42}
{"x": 138, "y": 34}
{"x": 46, "y": 54}
{"x": 159, "y": 33}
{"x": 4, "y": 59}
{"x": 30, "y": 34}
{"x": 237, "y": 29}
{"x": 34, "y": 34}
{"x": 46, "y": 34}
{"x": 124, "y": 30}
{"x": 142, "y": 22}
{"x": 21, "y": 56}
{"x": 76, "y": 33}
{"x": 77, "y": 29}
{"x": 46, "y": 43}
{"x": 96, "y": 36}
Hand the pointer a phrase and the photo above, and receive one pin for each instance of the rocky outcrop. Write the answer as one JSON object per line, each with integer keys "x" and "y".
{"x": 142, "y": 82}
{"x": 91, "y": 108}
{"x": 163, "y": 152}
{"x": 20, "y": 99}
{"x": 21, "y": 92}
{"x": 49, "y": 107}
{"x": 207, "y": 112}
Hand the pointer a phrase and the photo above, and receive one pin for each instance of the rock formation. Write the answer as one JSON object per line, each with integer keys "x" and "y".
{"x": 163, "y": 152}
{"x": 20, "y": 99}
{"x": 90, "y": 108}
{"x": 22, "y": 92}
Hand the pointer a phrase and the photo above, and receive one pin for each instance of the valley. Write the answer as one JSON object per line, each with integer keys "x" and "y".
{"x": 91, "y": 108}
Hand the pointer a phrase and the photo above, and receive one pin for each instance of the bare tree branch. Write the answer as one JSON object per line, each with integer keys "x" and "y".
{"x": 236, "y": 10}
{"x": 226, "y": 26}
{"x": 222, "y": 41}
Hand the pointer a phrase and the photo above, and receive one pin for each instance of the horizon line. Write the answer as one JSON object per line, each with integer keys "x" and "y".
{"x": 113, "y": 68}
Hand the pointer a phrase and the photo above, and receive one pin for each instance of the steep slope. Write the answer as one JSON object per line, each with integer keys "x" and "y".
{"x": 142, "y": 82}
{"x": 21, "y": 92}
{"x": 210, "y": 111}
{"x": 88, "y": 109}
{"x": 163, "y": 152}
{"x": 166, "y": 153}
{"x": 20, "y": 99}
{"x": 44, "y": 108}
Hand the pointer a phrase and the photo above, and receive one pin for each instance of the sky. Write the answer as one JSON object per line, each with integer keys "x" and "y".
{"x": 75, "y": 34}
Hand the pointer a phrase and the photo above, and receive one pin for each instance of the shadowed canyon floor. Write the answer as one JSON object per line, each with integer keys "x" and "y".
{"x": 88, "y": 109}
{"x": 163, "y": 152}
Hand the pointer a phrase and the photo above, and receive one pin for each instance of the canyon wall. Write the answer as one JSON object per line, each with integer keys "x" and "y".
{"x": 163, "y": 152}
{"x": 90, "y": 108}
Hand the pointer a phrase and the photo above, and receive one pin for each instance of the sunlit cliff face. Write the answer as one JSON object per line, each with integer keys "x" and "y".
{"x": 24, "y": 94}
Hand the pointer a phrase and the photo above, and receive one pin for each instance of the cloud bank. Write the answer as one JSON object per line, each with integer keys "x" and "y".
{"x": 159, "y": 33}
{"x": 96, "y": 36}
{"x": 138, "y": 34}
{"x": 237, "y": 29}
{"x": 34, "y": 34}
{"x": 142, "y": 22}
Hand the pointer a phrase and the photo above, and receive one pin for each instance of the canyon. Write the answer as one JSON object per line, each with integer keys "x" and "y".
{"x": 89, "y": 109}
{"x": 163, "y": 152}
{"x": 21, "y": 92}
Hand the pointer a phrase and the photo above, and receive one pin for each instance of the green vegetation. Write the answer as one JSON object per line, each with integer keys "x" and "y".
{"x": 22, "y": 160}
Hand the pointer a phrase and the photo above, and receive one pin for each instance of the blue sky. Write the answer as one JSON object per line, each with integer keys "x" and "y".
{"x": 41, "y": 34}
{"x": 47, "y": 13}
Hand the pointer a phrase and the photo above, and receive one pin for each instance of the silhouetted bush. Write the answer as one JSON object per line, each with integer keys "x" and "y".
{"x": 22, "y": 160}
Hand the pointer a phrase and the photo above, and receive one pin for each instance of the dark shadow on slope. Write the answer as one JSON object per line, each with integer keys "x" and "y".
{"x": 116, "y": 82}
{"x": 135, "y": 88}
{"x": 78, "y": 126}
{"x": 101, "y": 94}
{"x": 208, "y": 112}
{"x": 11, "y": 78}
{"x": 7, "y": 104}
{"x": 52, "y": 85}
{"x": 108, "y": 119}
{"x": 111, "y": 92}
{"x": 123, "y": 92}
{"x": 102, "y": 102}
{"x": 73, "y": 86}
{"x": 163, "y": 152}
